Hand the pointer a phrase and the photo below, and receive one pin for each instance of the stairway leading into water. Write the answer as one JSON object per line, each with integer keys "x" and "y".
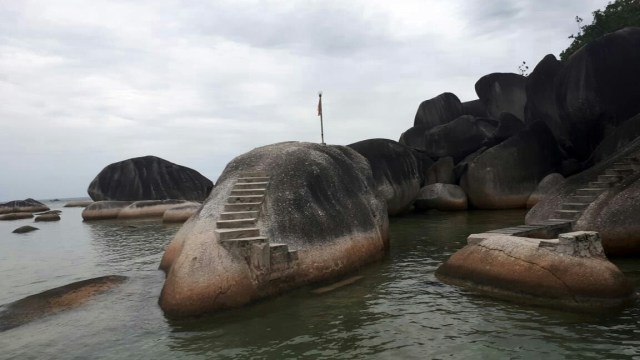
{"x": 569, "y": 212}
{"x": 237, "y": 229}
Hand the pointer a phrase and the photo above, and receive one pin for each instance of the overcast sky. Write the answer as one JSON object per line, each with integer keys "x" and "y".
{"x": 87, "y": 83}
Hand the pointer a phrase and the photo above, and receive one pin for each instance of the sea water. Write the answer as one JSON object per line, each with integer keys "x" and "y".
{"x": 398, "y": 310}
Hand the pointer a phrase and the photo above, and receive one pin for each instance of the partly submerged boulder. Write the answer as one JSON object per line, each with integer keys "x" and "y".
{"x": 78, "y": 203}
{"x": 441, "y": 197}
{"x": 280, "y": 216}
{"x": 598, "y": 88}
{"x": 570, "y": 272}
{"x": 16, "y": 216}
{"x": 503, "y": 92}
{"x": 102, "y": 210}
{"x": 459, "y": 137}
{"x": 56, "y": 300}
{"x": 148, "y": 178}
{"x": 397, "y": 171}
{"x": 24, "y": 229}
{"x": 504, "y": 176}
{"x": 22, "y": 206}
{"x": 180, "y": 213}
{"x": 151, "y": 208}
{"x": 47, "y": 217}
{"x": 437, "y": 111}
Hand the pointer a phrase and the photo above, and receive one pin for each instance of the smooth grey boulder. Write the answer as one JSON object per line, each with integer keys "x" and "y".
{"x": 502, "y": 92}
{"x": 441, "y": 172}
{"x": 414, "y": 137}
{"x": 24, "y": 229}
{"x": 541, "y": 98}
{"x": 461, "y": 167}
{"x": 16, "y": 216}
{"x": 504, "y": 176}
{"x": 397, "y": 172}
{"x": 56, "y": 300}
{"x": 475, "y": 108}
{"x": 22, "y": 206}
{"x": 319, "y": 209}
{"x": 508, "y": 126}
{"x": 79, "y": 203}
{"x": 545, "y": 187}
{"x": 446, "y": 197}
{"x": 148, "y": 178}
{"x": 47, "y": 217}
{"x": 102, "y": 210}
{"x": 459, "y": 137}
{"x": 438, "y": 110}
{"x": 598, "y": 88}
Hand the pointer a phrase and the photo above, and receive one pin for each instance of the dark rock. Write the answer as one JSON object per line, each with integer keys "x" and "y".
{"x": 570, "y": 272}
{"x": 437, "y": 111}
{"x": 441, "y": 172}
{"x": 151, "y": 208}
{"x": 54, "y": 301}
{"x": 414, "y": 137}
{"x": 16, "y": 216}
{"x": 504, "y": 176}
{"x": 24, "y": 229}
{"x": 148, "y": 178}
{"x": 502, "y": 92}
{"x": 57, "y": 212}
{"x": 509, "y": 126}
{"x": 541, "y": 98}
{"x": 397, "y": 172}
{"x": 80, "y": 203}
{"x": 461, "y": 167}
{"x": 459, "y": 137}
{"x": 102, "y": 210}
{"x": 47, "y": 217}
{"x": 545, "y": 187}
{"x": 444, "y": 197}
{"x": 475, "y": 108}
{"x": 615, "y": 142}
{"x": 598, "y": 88}
{"x": 320, "y": 218}
{"x": 20, "y": 206}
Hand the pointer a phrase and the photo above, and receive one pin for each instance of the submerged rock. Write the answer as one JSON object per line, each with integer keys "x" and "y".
{"x": 280, "y": 216}
{"x": 151, "y": 208}
{"x": 148, "y": 178}
{"x": 570, "y": 272}
{"x": 180, "y": 213}
{"x": 47, "y": 217}
{"x": 397, "y": 171}
{"x": 102, "y": 210}
{"x": 22, "y": 206}
{"x": 16, "y": 216}
{"x": 24, "y": 229}
{"x": 56, "y": 300}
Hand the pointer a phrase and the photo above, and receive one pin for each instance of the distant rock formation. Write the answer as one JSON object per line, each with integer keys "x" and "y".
{"x": 397, "y": 171}
{"x": 56, "y": 300}
{"x": 570, "y": 272}
{"x": 148, "y": 178}
{"x": 22, "y": 206}
{"x": 280, "y": 216}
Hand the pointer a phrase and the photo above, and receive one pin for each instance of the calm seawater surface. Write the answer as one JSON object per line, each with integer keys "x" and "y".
{"x": 399, "y": 310}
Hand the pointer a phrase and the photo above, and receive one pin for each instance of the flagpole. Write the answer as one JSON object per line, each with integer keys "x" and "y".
{"x": 320, "y": 113}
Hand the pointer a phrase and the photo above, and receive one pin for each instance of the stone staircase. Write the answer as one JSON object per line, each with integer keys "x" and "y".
{"x": 564, "y": 218}
{"x": 237, "y": 230}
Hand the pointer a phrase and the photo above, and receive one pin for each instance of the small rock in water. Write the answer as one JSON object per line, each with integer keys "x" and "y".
{"x": 24, "y": 229}
{"x": 48, "y": 217}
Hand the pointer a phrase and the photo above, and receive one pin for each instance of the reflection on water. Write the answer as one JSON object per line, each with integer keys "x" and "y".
{"x": 398, "y": 310}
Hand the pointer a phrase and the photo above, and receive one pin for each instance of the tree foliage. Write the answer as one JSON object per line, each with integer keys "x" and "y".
{"x": 617, "y": 15}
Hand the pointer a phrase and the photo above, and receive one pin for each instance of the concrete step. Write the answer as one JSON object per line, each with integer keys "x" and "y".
{"x": 234, "y": 199}
{"x": 600, "y": 184}
{"x": 237, "y": 207}
{"x": 620, "y": 172}
{"x": 240, "y": 242}
{"x": 589, "y": 191}
{"x": 250, "y": 185}
{"x": 622, "y": 165}
{"x": 574, "y": 206}
{"x": 609, "y": 178}
{"x": 236, "y": 223}
{"x": 587, "y": 199}
{"x": 254, "y": 174}
{"x": 252, "y": 179}
{"x": 241, "y": 192}
{"x": 230, "y": 234}
{"x": 279, "y": 255}
{"x": 567, "y": 214}
{"x": 238, "y": 215}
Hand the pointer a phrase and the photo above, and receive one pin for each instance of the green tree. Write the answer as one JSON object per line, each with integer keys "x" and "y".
{"x": 617, "y": 15}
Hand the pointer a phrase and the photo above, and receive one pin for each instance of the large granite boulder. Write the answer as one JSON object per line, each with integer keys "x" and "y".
{"x": 414, "y": 137}
{"x": 103, "y": 210}
{"x": 148, "y": 178}
{"x": 475, "y": 108}
{"x": 459, "y": 137}
{"x": 502, "y": 92}
{"x": 508, "y": 126}
{"x": 437, "y": 111}
{"x": 545, "y": 187}
{"x": 598, "y": 88}
{"x": 397, "y": 171}
{"x": 444, "y": 197}
{"x": 280, "y": 216}
{"x": 441, "y": 172}
{"x": 604, "y": 198}
{"x": 151, "y": 208}
{"x": 570, "y": 272}
{"x": 504, "y": 176}
{"x": 616, "y": 141}
{"x": 22, "y": 206}
{"x": 541, "y": 98}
